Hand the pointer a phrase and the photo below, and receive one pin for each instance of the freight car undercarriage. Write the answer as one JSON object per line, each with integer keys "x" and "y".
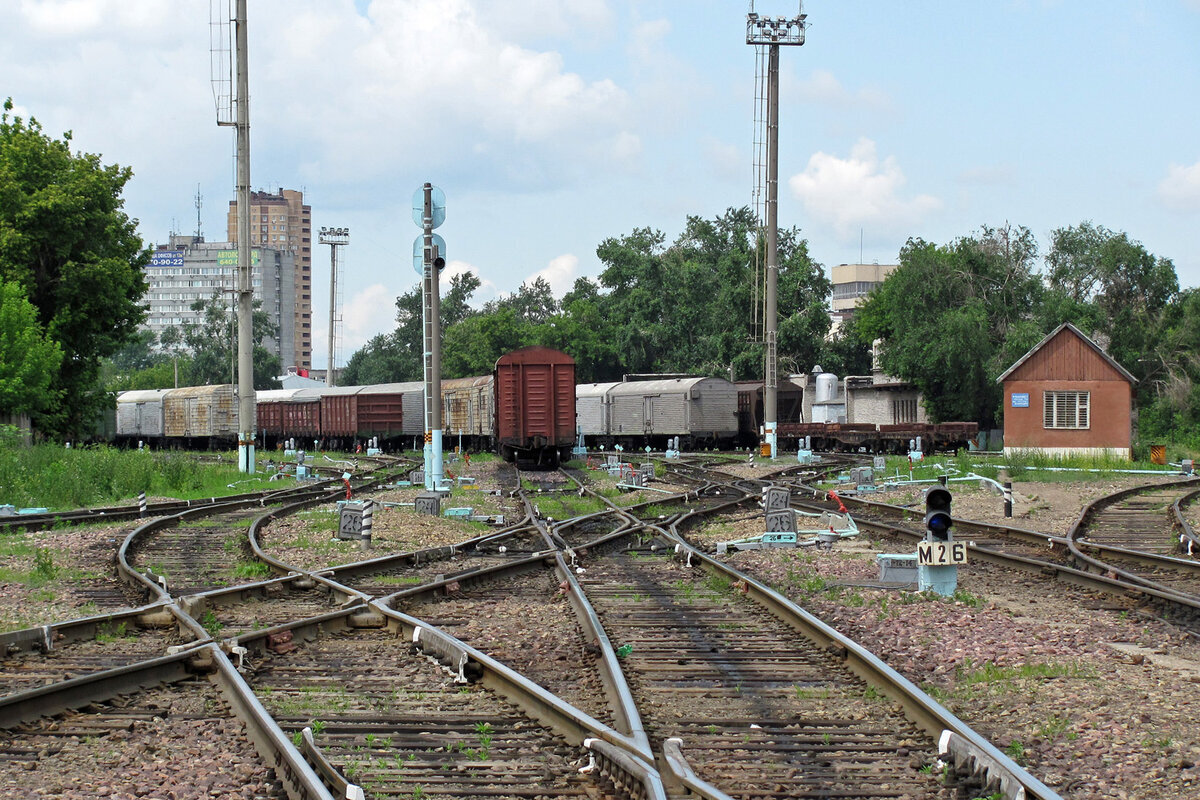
{"x": 881, "y": 439}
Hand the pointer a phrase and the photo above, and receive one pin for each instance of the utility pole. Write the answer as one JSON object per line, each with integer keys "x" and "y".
{"x": 771, "y": 32}
{"x": 335, "y": 238}
{"x": 247, "y": 422}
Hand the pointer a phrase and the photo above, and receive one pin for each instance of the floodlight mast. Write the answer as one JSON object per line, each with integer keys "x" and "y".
{"x": 771, "y": 32}
{"x": 335, "y": 238}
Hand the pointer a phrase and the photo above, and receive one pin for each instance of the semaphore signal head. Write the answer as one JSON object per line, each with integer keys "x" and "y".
{"x": 937, "y": 513}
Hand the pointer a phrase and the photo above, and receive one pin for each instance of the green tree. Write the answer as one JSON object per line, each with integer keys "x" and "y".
{"x": 1114, "y": 289}
{"x": 29, "y": 360}
{"x": 66, "y": 242}
{"x": 396, "y": 356}
{"x": 951, "y": 318}
{"x": 213, "y": 345}
{"x": 690, "y": 307}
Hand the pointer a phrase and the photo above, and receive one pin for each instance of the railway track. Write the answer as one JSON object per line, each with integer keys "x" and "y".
{"x": 482, "y": 672}
{"x": 758, "y": 711}
{"x": 393, "y": 723}
{"x": 56, "y": 653}
{"x": 179, "y": 739}
{"x": 525, "y": 620}
{"x": 1164, "y": 585}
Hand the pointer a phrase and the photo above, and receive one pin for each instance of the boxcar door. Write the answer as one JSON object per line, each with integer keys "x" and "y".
{"x": 648, "y": 414}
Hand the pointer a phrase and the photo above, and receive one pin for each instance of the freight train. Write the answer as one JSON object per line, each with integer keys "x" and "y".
{"x": 529, "y": 410}
{"x": 525, "y": 410}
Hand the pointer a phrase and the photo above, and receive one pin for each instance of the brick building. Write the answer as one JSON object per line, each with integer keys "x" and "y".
{"x": 1066, "y": 396}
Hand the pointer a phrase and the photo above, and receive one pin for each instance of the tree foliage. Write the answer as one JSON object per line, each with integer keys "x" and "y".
{"x": 683, "y": 307}
{"x": 952, "y": 317}
{"x": 65, "y": 241}
{"x": 29, "y": 360}
{"x": 212, "y": 344}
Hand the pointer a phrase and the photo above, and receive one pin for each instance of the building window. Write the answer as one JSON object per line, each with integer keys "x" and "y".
{"x": 1066, "y": 410}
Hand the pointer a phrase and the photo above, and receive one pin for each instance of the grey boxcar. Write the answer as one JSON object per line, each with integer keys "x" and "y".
{"x": 700, "y": 411}
{"x": 591, "y": 408}
{"x": 140, "y": 414}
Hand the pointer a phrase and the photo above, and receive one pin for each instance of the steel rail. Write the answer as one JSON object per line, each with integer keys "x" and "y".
{"x": 1089, "y": 512}
{"x": 571, "y": 723}
{"x": 154, "y": 588}
{"x": 1188, "y": 540}
{"x": 299, "y": 779}
{"x": 919, "y": 707}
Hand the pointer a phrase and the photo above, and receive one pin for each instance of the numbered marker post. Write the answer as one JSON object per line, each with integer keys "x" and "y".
{"x": 777, "y": 502}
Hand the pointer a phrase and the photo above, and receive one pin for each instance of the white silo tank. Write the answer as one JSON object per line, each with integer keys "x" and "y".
{"x": 826, "y": 387}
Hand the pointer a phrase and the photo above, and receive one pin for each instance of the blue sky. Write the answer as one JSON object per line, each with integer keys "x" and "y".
{"x": 553, "y": 124}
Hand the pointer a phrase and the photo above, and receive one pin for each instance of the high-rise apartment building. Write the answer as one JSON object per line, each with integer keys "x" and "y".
{"x": 282, "y": 221}
{"x": 190, "y": 269}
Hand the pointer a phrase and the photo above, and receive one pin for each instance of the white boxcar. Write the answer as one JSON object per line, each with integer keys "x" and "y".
{"x": 591, "y": 408}
{"x": 699, "y": 410}
{"x": 140, "y": 414}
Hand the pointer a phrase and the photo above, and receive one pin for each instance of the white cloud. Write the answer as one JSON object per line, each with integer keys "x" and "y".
{"x": 823, "y": 88}
{"x": 1180, "y": 190}
{"x": 560, "y": 274}
{"x": 366, "y": 313}
{"x": 847, "y": 193}
{"x": 429, "y": 83}
{"x": 487, "y": 290}
{"x": 539, "y": 19}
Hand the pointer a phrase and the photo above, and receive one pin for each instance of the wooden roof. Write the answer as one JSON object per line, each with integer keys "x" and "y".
{"x": 1066, "y": 326}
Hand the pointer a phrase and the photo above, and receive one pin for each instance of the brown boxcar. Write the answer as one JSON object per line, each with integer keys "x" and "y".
{"x": 535, "y": 404}
{"x": 302, "y": 414}
{"x": 339, "y": 411}
{"x": 381, "y": 408}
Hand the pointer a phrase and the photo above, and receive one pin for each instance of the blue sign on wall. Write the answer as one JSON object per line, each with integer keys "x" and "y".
{"x": 166, "y": 258}
{"x": 1020, "y": 399}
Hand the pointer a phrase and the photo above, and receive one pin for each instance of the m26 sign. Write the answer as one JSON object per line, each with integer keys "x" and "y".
{"x": 941, "y": 554}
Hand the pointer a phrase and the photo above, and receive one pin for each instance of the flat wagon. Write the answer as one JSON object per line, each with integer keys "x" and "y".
{"x": 535, "y": 405}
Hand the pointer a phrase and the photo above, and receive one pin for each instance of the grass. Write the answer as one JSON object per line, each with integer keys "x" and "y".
{"x": 57, "y": 478}
{"x": 210, "y": 623}
{"x": 1018, "y": 466}
{"x": 107, "y": 633}
{"x": 251, "y": 569}
{"x": 42, "y": 571}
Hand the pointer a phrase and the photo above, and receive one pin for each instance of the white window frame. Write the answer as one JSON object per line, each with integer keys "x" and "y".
{"x": 1066, "y": 410}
